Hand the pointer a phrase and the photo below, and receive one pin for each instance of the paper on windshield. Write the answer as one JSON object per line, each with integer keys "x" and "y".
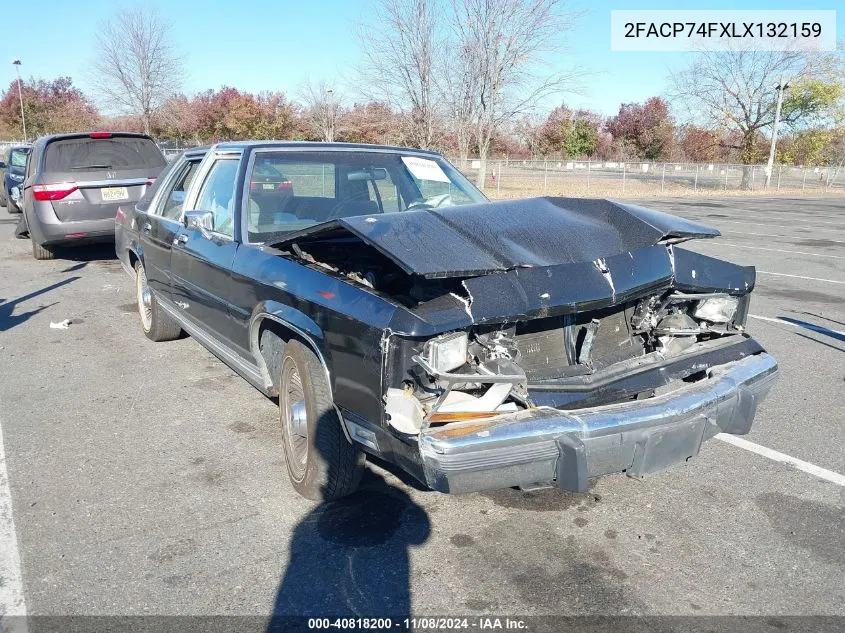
{"x": 425, "y": 169}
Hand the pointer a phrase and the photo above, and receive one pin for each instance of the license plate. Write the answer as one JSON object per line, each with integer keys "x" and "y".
{"x": 115, "y": 193}
{"x": 269, "y": 186}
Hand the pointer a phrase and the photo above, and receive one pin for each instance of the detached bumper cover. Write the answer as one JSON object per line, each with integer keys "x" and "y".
{"x": 637, "y": 437}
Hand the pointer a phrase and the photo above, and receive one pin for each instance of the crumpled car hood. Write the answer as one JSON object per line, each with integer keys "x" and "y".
{"x": 479, "y": 239}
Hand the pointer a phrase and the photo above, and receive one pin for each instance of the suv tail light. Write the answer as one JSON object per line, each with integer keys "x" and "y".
{"x": 100, "y": 135}
{"x": 54, "y": 191}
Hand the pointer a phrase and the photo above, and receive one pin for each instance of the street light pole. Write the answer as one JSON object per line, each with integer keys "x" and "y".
{"x": 17, "y": 65}
{"x": 780, "y": 88}
{"x": 329, "y": 116}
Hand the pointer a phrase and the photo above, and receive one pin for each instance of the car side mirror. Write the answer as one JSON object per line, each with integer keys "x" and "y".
{"x": 2, "y": 165}
{"x": 202, "y": 221}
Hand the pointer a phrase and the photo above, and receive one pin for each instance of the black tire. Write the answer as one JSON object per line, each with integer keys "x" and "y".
{"x": 41, "y": 252}
{"x": 155, "y": 322}
{"x": 331, "y": 467}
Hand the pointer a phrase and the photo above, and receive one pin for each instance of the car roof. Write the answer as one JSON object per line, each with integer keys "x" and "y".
{"x": 318, "y": 145}
{"x": 42, "y": 141}
{"x": 196, "y": 151}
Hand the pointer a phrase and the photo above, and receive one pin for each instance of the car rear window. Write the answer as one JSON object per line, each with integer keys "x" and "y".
{"x": 92, "y": 154}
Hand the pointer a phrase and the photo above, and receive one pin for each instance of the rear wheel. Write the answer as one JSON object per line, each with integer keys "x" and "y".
{"x": 321, "y": 463}
{"x": 39, "y": 251}
{"x": 156, "y": 323}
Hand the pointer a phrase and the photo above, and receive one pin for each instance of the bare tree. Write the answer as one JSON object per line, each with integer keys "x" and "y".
{"x": 399, "y": 62}
{"x": 529, "y": 129}
{"x": 506, "y": 41}
{"x": 737, "y": 89}
{"x": 136, "y": 68}
{"x": 458, "y": 88}
{"x": 323, "y": 109}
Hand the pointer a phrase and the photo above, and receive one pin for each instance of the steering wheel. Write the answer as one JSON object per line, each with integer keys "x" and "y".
{"x": 336, "y": 211}
{"x": 434, "y": 202}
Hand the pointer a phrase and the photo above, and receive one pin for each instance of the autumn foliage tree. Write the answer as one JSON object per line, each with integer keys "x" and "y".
{"x": 571, "y": 133}
{"x": 699, "y": 144}
{"x": 645, "y": 130}
{"x": 49, "y": 106}
{"x": 373, "y": 122}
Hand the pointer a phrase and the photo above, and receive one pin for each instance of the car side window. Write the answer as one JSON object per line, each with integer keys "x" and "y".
{"x": 174, "y": 200}
{"x": 218, "y": 194}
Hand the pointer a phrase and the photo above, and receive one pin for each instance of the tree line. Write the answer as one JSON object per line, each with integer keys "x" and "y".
{"x": 466, "y": 77}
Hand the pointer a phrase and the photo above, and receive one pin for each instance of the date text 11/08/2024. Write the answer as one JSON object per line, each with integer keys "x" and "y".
{"x": 422, "y": 623}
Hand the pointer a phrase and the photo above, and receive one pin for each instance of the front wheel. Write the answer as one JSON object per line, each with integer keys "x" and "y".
{"x": 156, "y": 323}
{"x": 321, "y": 463}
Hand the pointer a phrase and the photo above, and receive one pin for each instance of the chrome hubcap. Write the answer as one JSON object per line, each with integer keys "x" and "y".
{"x": 145, "y": 300}
{"x": 299, "y": 423}
{"x": 295, "y": 419}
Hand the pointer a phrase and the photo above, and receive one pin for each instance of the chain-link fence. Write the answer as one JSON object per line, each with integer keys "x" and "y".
{"x": 4, "y": 145}
{"x": 526, "y": 178}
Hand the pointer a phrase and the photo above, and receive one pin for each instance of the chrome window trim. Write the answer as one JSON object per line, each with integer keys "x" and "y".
{"x": 157, "y": 203}
{"x": 192, "y": 196}
{"x": 159, "y": 194}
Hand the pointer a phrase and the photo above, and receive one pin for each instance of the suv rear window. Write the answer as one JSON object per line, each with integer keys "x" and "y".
{"x": 93, "y": 154}
{"x": 18, "y": 157}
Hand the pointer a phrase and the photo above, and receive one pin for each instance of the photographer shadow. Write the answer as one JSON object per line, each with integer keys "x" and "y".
{"x": 350, "y": 558}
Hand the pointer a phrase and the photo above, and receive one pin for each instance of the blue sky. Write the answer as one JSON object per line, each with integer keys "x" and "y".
{"x": 276, "y": 45}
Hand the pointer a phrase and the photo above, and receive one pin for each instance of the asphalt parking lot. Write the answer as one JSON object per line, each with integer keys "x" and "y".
{"x": 148, "y": 478}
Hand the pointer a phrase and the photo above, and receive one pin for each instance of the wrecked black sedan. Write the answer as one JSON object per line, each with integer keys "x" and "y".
{"x": 394, "y": 311}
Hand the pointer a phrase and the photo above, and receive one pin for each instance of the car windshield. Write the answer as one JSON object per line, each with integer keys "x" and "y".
{"x": 18, "y": 157}
{"x": 292, "y": 190}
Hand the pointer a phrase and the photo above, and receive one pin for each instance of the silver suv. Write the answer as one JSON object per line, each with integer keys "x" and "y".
{"x": 74, "y": 184}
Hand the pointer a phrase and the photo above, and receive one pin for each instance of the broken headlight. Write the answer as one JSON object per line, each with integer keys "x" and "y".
{"x": 447, "y": 351}
{"x": 716, "y": 309}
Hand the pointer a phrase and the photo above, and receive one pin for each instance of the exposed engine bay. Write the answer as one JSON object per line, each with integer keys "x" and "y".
{"x": 354, "y": 261}
{"x": 490, "y": 370}
{"x": 526, "y": 319}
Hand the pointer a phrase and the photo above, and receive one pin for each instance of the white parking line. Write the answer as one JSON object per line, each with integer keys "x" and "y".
{"x": 830, "y": 281}
{"x": 11, "y": 588}
{"x": 808, "y": 326}
{"x": 786, "y": 226}
{"x": 786, "y": 237}
{"x": 783, "y": 458}
{"x": 776, "y": 250}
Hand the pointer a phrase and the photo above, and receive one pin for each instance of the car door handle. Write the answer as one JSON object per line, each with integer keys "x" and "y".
{"x": 180, "y": 240}
{"x": 147, "y": 227}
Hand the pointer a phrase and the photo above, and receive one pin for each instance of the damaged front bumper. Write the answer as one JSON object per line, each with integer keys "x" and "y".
{"x": 546, "y": 445}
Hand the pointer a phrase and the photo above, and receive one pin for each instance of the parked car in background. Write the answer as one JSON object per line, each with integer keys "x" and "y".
{"x": 396, "y": 312}
{"x": 12, "y": 166}
{"x": 74, "y": 184}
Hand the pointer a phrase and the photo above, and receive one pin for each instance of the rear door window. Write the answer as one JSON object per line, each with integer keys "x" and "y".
{"x": 116, "y": 153}
{"x": 174, "y": 200}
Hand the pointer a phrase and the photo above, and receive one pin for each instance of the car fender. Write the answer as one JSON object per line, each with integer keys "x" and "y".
{"x": 298, "y": 324}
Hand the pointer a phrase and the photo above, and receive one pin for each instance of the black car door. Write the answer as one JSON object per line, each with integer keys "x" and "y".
{"x": 159, "y": 227}
{"x": 201, "y": 264}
